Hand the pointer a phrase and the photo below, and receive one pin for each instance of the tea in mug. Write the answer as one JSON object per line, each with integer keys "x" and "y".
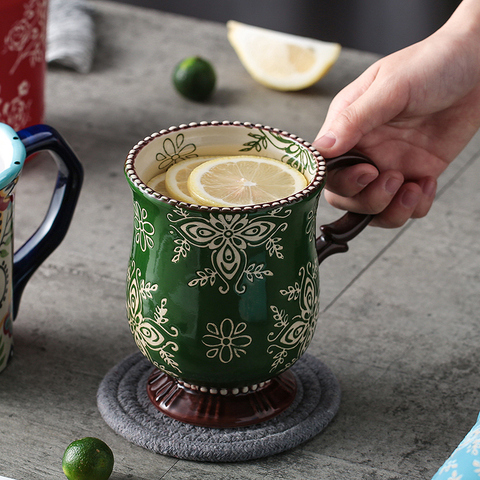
{"x": 229, "y": 181}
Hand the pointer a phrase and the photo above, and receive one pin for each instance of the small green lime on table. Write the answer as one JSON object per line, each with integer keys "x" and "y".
{"x": 194, "y": 78}
{"x": 88, "y": 459}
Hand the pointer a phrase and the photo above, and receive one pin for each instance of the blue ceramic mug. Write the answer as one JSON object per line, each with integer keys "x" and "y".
{"x": 17, "y": 267}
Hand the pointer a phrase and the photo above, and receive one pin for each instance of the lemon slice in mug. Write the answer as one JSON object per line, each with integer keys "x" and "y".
{"x": 157, "y": 183}
{"x": 280, "y": 60}
{"x": 177, "y": 176}
{"x": 243, "y": 180}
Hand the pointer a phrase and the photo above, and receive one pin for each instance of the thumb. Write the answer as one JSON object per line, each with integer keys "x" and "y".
{"x": 347, "y": 122}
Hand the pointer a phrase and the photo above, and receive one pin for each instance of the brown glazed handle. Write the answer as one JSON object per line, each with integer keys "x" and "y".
{"x": 334, "y": 236}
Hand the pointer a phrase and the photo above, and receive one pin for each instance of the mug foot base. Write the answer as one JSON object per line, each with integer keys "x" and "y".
{"x": 218, "y": 409}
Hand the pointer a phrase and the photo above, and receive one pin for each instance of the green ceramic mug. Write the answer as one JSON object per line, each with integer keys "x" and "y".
{"x": 223, "y": 300}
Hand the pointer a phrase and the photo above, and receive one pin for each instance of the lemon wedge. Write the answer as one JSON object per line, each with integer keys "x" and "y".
{"x": 177, "y": 176}
{"x": 157, "y": 183}
{"x": 280, "y": 60}
{"x": 243, "y": 180}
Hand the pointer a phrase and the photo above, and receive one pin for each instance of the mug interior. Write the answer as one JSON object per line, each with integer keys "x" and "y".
{"x": 155, "y": 154}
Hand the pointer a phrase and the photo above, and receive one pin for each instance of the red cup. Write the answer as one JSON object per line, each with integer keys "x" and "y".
{"x": 23, "y": 28}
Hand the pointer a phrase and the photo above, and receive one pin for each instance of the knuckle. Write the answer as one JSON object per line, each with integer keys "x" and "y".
{"x": 386, "y": 221}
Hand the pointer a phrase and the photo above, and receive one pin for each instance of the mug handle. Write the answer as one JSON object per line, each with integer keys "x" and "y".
{"x": 335, "y": 235}
{"x": 54, "y": 227}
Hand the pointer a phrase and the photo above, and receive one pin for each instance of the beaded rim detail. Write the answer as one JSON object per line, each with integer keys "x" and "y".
{"x": 223, "y": 391}
{"x": 312, "y": 187}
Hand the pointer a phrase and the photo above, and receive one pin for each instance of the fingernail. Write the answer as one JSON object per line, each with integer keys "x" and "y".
{"x": 366, "y": 178}
{"x": 409, "y": 199}
{"x": 326, "y": 141}
{"x": 392, "y": 185}
{"x": 429, "y": 188}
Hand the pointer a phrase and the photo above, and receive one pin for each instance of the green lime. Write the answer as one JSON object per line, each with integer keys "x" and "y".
{"x": 88, "y": 459}
{"x": 194, "y": 78}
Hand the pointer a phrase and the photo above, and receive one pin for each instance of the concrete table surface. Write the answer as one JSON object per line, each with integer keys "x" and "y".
{"x": 399, "y": 312}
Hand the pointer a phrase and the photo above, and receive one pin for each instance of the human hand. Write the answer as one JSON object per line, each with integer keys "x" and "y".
{"x": 412, "y": 113}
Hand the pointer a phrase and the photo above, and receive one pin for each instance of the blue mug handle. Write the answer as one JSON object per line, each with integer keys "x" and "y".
{"x": 54, "y": 227}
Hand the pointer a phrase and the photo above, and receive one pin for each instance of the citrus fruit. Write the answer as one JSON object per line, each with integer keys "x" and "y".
{"x": 194, "y": 78}
{"x": 280, "y": 60}
{"x": 243, "y": 180}
{"x": 88, "y": 459}
{"x": 157, "y": 183}
{"x": 177, "y": 176}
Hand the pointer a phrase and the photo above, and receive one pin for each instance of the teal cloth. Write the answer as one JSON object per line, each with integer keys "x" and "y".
{"x": 464, "y": 462}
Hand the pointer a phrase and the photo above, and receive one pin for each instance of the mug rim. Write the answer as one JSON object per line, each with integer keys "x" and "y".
{"x": 313, "y": 186}
{"x": 14, "y": 158}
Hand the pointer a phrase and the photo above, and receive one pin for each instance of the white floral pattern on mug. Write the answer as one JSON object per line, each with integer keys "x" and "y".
{"x": 227, "y": 340}
{"x": 26, "y": 36}
{"x": 152, "y": 335}
{"x": 16, "y": 112}
{"x": 228, "y": 237}
{"x": 144, "y": 230}
{"x": 295, "y": 334}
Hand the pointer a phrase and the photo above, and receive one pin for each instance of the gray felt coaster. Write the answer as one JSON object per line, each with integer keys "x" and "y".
{"x": 124, "y": 404}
